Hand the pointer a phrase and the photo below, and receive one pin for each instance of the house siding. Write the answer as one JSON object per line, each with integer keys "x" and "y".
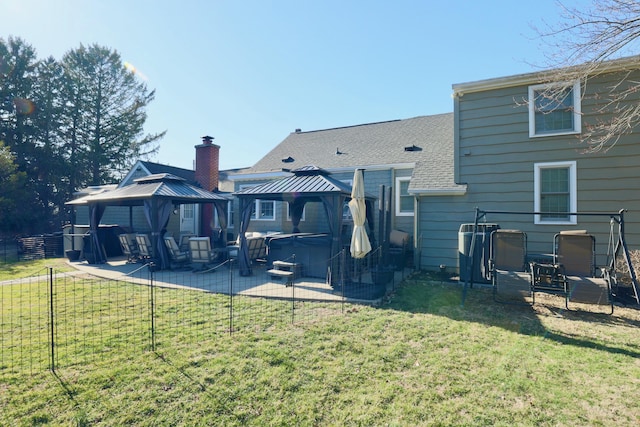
{"x": 495, "y": 157}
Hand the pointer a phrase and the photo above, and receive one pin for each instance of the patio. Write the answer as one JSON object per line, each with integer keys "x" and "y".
{"x": 227, "y": 279}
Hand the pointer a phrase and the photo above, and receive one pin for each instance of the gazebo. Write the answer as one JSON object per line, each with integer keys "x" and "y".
{"x": 304, "y": 185}
{"x": 157, "y": 194}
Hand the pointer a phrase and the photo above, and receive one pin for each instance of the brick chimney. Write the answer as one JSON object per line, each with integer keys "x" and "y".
{"x": 207, "y": 175}
{"x": 208, "y": 163}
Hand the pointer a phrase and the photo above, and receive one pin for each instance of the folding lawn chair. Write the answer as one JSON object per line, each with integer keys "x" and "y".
{"x": 511, "y": 282}
{"x": 575, "y": 254}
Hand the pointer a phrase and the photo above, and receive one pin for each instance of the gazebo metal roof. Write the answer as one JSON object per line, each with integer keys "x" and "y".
{"x": 308, "y": 182}
{"x": 159, "y": 185}
{"x": 156, "y": 193}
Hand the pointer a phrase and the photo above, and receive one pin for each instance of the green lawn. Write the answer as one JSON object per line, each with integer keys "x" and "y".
{"x": 418, "y": 359}
{"x": 19, "y": 270}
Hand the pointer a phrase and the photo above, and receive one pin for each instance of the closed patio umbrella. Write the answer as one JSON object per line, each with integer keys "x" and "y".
{"x": 360, "y": 245}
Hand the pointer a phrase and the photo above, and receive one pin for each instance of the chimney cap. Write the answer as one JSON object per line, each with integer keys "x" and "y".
{"x": 207, "y": 139}
{"x": 298, "y": 130}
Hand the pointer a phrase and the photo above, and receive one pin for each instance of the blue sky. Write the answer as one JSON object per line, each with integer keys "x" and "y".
{"x": 250, "y": 72}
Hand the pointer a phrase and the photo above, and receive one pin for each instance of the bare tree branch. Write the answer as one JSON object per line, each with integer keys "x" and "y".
{"x": 588, "y": 43}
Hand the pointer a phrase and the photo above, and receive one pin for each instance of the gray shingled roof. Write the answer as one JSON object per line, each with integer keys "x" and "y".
{"x": 374, "y": 144}
{"x": 157, "y": 168}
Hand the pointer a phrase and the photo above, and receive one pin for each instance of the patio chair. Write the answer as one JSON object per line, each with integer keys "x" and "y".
{"x": 129, "y": 247}
{"x": 184, "y": 241}
{"x": 575, "y": 254}
{"x": 178, "y": 258}
{"x": 200, "y": 251}
{"x": 507, "y": 263}
{"x": 257, "y": 249}
{"x": 144, "y": 246}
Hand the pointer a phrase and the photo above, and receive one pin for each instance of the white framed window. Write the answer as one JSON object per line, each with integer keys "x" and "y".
{"x": 262, "y": 210}
{"x": 346, "y": 212}
{"x": 289, "y": 212}
{"x": 554, "y": 109}
{"x": 230, "y": 213}
{"x": 404, "y": 200}
{"x": 216, "y": 218}
{"x": 555, "y": 189}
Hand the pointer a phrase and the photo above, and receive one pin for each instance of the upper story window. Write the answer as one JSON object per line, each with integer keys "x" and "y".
{"x": 554, "y": 109}
{"x": 404, "y": 200}
{"x": 555, "y": 191}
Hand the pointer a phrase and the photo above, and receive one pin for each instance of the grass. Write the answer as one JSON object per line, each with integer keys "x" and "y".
{"x": 19, "y": 270}
{"x": 417, "y": 359}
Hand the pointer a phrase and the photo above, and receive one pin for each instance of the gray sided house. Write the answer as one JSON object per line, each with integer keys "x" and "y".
{"x": 514, "y": 154}
{"x": 398, "y": 154}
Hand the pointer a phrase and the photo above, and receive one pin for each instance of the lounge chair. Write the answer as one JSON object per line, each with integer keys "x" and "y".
{"x": 507, "y": 263}
{"x": 178, "y": 258}
{"x": 184, "y": 241}
{"x": 144, "y": 246}
{"x": 200, "y": 251}
{"x": 575, "y": 254}
{"x": 129, "y": 247}
{"x": 257, "y": 249}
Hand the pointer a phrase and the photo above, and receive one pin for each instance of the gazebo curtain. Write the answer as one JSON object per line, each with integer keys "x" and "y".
{"x": 333, "y": 209}
{"x": 372, "y": 238}
{"x": 95, "y": 215}
{"x": 221, "y": 212}
{"x": 244, "y": 264}
{"x": 158, "y": 219}
{"x": 297, "y": 208}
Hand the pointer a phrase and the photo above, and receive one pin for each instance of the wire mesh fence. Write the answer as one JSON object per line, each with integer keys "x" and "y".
{"x": 8, "y": 249}
{"x": 53, "y": 320}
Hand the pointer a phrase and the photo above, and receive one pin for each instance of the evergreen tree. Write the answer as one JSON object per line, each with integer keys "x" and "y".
{"x": 107, "y": 105}
{"x": 12, "y": 195}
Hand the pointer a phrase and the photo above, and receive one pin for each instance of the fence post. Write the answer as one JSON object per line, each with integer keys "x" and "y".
{"x": 343, "y": 265}
{"x": 231, "y": 272}
{"x": 151, "y": 266}
{"x": 293, "y": 291}
{"x": 52, "y": 364}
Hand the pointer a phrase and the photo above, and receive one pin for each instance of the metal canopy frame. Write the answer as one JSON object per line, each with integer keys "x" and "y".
{"x": 304, "y": 185}
{"x": 621, "y": 244}
{"x": 157, "y": 194}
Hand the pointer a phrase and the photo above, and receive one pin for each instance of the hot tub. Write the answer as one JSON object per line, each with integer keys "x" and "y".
{"x": 312, "y": 251}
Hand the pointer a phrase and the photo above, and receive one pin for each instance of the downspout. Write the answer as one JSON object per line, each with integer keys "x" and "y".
{"x": 416, "y": 229}
{"x": 456, "y": 137}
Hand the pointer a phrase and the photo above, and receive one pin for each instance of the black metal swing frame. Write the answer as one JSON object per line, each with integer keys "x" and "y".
{"x": 620, "y": 244}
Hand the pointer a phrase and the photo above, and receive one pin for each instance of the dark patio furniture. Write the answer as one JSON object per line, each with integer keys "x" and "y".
{"x": 575, "y": 254}
{"x": 511, "y": 282}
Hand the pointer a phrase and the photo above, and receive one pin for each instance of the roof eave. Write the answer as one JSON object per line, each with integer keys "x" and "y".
{"x": 459, "y": 89}
{"x": 460, "y": 191}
